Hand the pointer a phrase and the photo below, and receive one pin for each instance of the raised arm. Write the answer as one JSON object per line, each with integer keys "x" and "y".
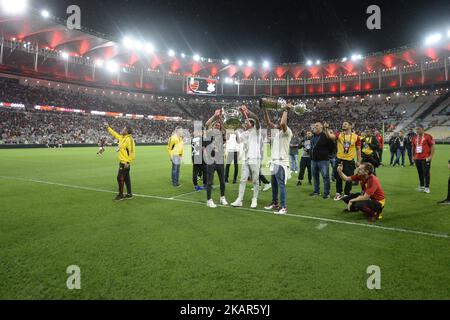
{"x": 342, "y": 174}
{"x": 211, "y": 120}
{"x": 328, "y": 133}
{"x": 267, "y": 121}
{"x": 284, "y": 119}
{"x": 255, "y": 117}
{"x": 112, "y": 132}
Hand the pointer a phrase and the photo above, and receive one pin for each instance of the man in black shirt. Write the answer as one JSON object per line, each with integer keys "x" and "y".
{"x": 305, "y": 161}
{"x": 293, "y": 154}
{"x": 214, "y": 157}
{"x": 321, "y": 147}
{"x": 409, "y": 138}
{"x": 394, "y": 145}
{"x": 198, "y": 165}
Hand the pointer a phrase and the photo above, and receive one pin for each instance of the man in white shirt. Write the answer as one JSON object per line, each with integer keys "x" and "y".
{"x": 232, "y": 146}
{"x": 281, "y": 139}
{"x": 251, "y": 139}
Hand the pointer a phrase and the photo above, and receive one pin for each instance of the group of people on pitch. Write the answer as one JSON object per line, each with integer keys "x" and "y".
{"x": 208, "y": 158}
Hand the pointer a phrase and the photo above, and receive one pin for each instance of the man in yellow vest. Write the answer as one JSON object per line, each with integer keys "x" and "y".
{"x": 175, "y": 149}
{"x": 126, "y": 153}
{"x": 348, "y": 147}
{"x": 369, "y": 152}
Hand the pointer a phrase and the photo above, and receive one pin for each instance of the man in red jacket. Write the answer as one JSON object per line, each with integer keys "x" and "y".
{"x": 371, "y": 200}
{"x": 423, "y": 152}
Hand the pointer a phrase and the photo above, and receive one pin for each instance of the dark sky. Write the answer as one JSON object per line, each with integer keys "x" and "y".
{"x": 280, "y": 31}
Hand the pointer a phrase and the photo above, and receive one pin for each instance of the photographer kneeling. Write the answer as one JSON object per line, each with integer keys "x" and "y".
{"x": 371, "y": 200}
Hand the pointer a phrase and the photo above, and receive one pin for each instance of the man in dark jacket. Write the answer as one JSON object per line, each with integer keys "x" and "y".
{"x": 321, "y": 148}
{"x": 305, "y": 161}
{"x": 409, "y": 138}
{"x": 394, "y": 146}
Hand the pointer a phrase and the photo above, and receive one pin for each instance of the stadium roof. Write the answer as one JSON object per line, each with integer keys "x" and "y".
{"x": 52, "y": 34}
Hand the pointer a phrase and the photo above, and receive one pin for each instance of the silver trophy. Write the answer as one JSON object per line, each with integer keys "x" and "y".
{"x": 232, "y": 118}
{"x": 272, "y": 103}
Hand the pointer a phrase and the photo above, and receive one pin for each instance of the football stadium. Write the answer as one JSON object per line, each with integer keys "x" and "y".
{"x": 134, "y": 170}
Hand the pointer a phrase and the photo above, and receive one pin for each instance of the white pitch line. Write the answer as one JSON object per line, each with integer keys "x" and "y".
{"x": 189, "y": 193}
{"x": 392, "y": 229}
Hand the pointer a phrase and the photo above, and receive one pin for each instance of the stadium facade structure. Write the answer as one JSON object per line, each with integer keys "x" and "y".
{"x": 44, "y": 48}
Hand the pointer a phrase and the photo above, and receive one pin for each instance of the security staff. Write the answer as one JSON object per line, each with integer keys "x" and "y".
{"x": 126, "y": 153}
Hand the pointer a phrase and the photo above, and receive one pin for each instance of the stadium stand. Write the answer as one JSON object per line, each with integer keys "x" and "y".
{"x": 392, "y": 112}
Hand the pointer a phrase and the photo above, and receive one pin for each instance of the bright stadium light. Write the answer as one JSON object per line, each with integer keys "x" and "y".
{"x": 14, "y": 7}
{"x": 356, "y": 57}
{"x": 149, "y": 48}
{"x": 138, "y": 45}
{"x": 65, "y": 55}
{"x": 318, "y": 62}
{"x": 171, "y": 53}
{"x": 448, "y": 33}
{"x": 225, "y": 61}
{"x": 196, "y": 57}
{"x": 112, "y": 66}
{"x": 240, "y": 63}
{"x": 127, "y": 42}
{"x": 99, "y": 63}
{"x": 433, "y": 39}
{"x": 45, "y": 14}
{"x": 250, "y": 63}
{"x": 344, "y": 59}
{"x": 266, "y": 64}
{"x": 309, "y": 63}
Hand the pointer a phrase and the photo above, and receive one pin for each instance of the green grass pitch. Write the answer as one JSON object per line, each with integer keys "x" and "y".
{"x": 56, "y": 211}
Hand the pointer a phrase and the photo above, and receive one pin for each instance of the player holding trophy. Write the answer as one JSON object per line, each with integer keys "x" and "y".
{"x": 251, "y": 139}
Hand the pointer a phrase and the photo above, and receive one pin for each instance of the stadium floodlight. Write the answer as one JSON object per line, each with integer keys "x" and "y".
{"x": 45, "y": 14}
{"x": 149, "y": 48}
{"x": 266, "y": 64}
{"x": 127, "y": 42}
{"x": 318, "y": 62}
{"x": 171, "y": 53}
{"x": 15, "y": 7}
{"x": 240, "y": 63}
{"x": 99, "y": 63}
{"x": 112, "y": 66}
{"x": 183, "y": 55}
{"x": 138, "y": 45}
{"x": 344, "y": 59}
{"x": 448, "y": 33}
{"x": 250, "y": 63}
{"x": 225, "y": 61}
{"x": 309, "y": 63}
{"x": 65, "y": 55}
{"x": 433, "y": 39}
{"x": 356, "y": 57}
{"x": 196, "y": 57}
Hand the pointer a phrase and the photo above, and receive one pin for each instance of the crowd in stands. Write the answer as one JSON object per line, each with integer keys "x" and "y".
{"x": 35, "y": 127}
{"x": 38, "y": 127}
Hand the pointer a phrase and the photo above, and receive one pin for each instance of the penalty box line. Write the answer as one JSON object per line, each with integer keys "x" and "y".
{"x": 372, "y": 226}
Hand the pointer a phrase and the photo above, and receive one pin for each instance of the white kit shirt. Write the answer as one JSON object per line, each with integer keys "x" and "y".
{"x": 251, "y": 140}
{"x": 232, "y": 145}
{"x": 280, "y": 147}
